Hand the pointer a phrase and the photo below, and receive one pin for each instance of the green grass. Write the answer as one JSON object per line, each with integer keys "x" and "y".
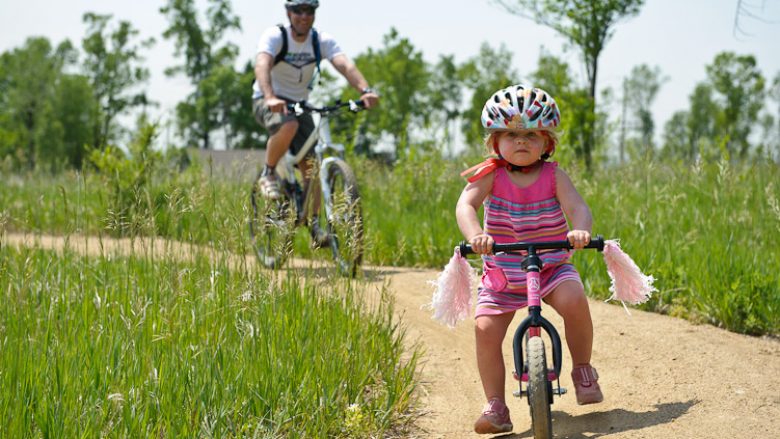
{"x": 146, "y": 345}
{"x": 708, "y": 233}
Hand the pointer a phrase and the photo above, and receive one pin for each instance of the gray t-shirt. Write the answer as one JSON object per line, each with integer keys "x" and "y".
{"x": 290, "y": 78}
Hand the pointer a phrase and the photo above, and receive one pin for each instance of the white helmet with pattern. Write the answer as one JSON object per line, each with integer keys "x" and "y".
{"x": 520, "y": 107}
{"x": 293, "y": 3}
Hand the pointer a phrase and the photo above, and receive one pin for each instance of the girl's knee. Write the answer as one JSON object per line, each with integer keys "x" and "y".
{"x": 568, "y": 298}
{"x": 492, "y": 327}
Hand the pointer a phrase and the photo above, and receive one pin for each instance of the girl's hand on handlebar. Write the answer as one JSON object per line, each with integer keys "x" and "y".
{"x": 276, "y": 105}
{"x": 482, "y": 244}
{"x": 578, "y": 238}
{"x": 369, "y": 99}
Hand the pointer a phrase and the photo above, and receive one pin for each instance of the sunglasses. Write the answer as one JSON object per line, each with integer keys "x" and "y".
{"x": 302, "y": 10}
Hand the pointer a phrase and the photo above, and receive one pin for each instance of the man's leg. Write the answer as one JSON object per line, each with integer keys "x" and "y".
{"x": 282, "y": 129}
{"x": 279, "y": 143}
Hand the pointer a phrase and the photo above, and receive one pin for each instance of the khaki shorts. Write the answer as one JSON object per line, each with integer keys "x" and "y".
{"x": 273, "y": 121}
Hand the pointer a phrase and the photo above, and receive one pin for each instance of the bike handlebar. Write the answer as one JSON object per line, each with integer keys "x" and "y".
{"x": 596, "y": 243}
{"x": 302, "y": 107}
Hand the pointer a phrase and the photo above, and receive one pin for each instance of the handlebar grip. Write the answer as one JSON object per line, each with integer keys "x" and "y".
{"x": 595, "y": 243}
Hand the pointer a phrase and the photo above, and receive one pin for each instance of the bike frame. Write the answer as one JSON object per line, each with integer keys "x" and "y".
{"x": 534, "y": 323}
{"x": 319, "y": 139}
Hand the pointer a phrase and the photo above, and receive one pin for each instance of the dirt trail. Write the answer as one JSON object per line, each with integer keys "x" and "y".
{"x": 662, "y": 377}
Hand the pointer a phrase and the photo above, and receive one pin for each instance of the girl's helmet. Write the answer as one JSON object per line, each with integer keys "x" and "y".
{"x": 292, "y": 3}
{"x": 520, "y": 107}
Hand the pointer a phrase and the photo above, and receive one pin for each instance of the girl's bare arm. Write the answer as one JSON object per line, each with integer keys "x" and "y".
{"x": 575, "y": 209}
{"x": 470, "y": 200}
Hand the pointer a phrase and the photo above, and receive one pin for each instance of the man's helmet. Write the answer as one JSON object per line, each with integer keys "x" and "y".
{"x": 292, "y": 3}
{"x": 519, "y": 107}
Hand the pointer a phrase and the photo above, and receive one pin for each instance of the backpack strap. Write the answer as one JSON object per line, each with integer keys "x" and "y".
{"x": 315, "y": 41}
{"x": 282, "y": 53}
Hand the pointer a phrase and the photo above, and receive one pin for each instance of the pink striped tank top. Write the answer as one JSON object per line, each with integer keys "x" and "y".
{"x": 529, "y": 214}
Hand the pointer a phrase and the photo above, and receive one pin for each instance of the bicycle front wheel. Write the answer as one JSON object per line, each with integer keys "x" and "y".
{"x": 539, "y": 389}
{"x": 271, "y": 227}
{"x": 344, "y": 216}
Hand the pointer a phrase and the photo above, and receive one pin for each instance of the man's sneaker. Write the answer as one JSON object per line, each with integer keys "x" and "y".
{"x": 319, "y": 237}
{"x": 494, "y": 419}
{"x": 269, "y": 186}
{"x": 586, "y": 385}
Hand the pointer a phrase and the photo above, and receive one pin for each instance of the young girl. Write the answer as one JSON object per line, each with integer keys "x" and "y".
{"x": 525, "y": 199}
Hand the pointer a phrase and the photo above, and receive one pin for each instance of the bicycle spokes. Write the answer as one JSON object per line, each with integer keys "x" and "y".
{"x": 344, "y": 216}
{"x": 271, "y": 227}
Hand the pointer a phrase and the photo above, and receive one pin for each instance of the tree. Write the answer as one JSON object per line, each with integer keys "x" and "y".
{"x": 30, "y": 78}
{"x": 445, "y": 95}
{"x": 740, "y": 88}
{"x": 774, "y": 94}
{"x": 400, "y": 74}
{"x": 114, "y": 65}
{"x": 676, "y": 137}
{"x": 483, "y": 74}
{"x": 701, "y": 123}
{"x": 554, "y": 76}
{"x": 587, "y": 24}
{"x": 639, "y": 91}
{"x": 204, "y": 63}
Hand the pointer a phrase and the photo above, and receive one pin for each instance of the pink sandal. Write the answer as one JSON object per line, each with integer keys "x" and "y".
{"x": 586, "y": 385}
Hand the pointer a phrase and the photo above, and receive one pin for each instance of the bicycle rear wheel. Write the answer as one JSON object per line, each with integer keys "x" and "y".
{"x": 539, "y": 389}
{"x": 344, "y": 217}
{"x": 271, "y": 227}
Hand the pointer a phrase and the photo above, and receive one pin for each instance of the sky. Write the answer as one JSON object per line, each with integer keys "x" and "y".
{"x": 679, "y": 37}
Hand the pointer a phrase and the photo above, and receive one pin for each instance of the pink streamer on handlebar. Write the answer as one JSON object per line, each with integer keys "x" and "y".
{"x": 451, "y": 301}
{"x": 629, "y": 284}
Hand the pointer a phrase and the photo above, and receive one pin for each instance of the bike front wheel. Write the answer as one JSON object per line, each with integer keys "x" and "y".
{"x": 271, "y": 227}
{"x": 539, "y": 389}
{"x": 344, "y": 216}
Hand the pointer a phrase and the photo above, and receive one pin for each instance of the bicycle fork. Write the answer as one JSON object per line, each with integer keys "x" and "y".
{"x": 532, "y": 327}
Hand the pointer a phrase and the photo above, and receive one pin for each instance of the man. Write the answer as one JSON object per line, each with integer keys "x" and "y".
{"x": 290, "y": 79}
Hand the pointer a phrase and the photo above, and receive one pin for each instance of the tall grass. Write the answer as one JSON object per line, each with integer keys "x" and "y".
{"x": 707, "y": 232}
{"x": 144, "y": 346}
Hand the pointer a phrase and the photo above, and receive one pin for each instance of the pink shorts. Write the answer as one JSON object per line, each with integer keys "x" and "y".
{"x": 495, "y": 297}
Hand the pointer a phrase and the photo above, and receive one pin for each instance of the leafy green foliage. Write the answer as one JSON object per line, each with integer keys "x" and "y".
{"x": 399, "y": 73}
{"x": 39, "y": 104}
{"x": 588, "y": 25}
{"x": 484, "y": 74}
{"x": 740, "y": 93}
{"x": 208, "y": 62}
{"x": 113, "y": 63}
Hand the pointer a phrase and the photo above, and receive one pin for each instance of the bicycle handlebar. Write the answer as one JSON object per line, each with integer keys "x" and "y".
{"x": 302, "y": 107}
{"x": 596, "y": 243}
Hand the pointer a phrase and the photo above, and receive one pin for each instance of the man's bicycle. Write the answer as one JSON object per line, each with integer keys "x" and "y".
{"x": 330, "y": 199}
{"x": 533, "y": 369}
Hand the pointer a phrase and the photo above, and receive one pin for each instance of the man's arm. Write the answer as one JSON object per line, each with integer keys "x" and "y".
{"x": 349, "y": 70}
{"x": 263, "y": 64}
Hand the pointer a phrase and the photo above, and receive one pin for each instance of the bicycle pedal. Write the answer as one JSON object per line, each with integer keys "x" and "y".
{"x": 560, "y": 391}
{"x": 520, "y": 393}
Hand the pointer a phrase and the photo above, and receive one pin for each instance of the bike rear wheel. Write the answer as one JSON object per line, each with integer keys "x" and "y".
{"x": 271, "y": 227}
{"x": 539, "y": 389}
{"x": 344, "y": 217}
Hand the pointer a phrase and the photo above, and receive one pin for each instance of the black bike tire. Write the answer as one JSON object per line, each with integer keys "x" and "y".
{"x": 539, "y": 389}
{"x": 270, "y": 228}
{"x": 343, "y": 184}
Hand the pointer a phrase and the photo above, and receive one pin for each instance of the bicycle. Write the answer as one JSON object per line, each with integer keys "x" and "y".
{"x": 274, "y": 221}
{"x": 534, "y": 369}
